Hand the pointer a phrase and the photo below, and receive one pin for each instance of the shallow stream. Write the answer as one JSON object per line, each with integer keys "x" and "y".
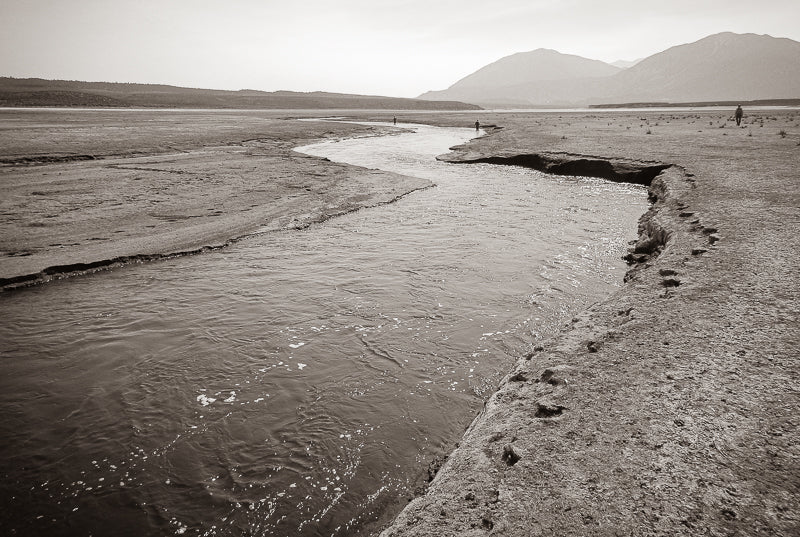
{"x": 300, "y": 382}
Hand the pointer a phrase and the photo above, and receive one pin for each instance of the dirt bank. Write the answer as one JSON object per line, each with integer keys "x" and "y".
{"x": 84, "y": 190}
{"x": 670, "y": 408}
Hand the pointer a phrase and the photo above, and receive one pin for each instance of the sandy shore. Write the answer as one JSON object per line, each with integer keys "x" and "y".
{"x": 84, "y": 190}
{"x": 672, "y": 407}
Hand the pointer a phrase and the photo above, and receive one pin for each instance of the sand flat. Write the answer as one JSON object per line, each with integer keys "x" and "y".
{"x": 83, "y": 188}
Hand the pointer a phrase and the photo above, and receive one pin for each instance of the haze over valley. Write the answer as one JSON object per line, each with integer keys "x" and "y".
{"x": 721, "y": 67}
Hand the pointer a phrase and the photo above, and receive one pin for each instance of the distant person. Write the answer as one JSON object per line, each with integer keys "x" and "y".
{"x": 477, "y": 125}
{"x": 395, "y": 120}
{"x": 738, "y": 115}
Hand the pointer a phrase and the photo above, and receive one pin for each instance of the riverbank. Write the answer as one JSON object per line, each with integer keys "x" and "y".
{"x": 91, "y": 189}
{"x": 671, "y": 408}
{"x": 321, "y": 368}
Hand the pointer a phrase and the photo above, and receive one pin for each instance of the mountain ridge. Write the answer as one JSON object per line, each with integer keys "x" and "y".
{"x": 72, "y": 93}
{"x": 724, "y": 66}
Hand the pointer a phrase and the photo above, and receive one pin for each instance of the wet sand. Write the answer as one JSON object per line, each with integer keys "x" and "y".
{"x": 671, "y": 408}
{"x": 90, "y": 189}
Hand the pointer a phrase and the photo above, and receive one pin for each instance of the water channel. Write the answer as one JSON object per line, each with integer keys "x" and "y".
{"x": 299, "y": 382}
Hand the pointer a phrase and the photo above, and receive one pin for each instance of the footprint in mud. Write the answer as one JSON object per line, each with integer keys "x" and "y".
{"x": 549, "y": 376}
{"x": 511, "y": 455}
{"x": 667, "y": 281}
{"x": 548, "y": 410}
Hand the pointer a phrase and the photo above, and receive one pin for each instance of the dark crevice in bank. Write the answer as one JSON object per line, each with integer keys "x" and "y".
{"x": 77, "y": 269}
{"x": 616, "y": 170}
{"x": 46, "y": 159}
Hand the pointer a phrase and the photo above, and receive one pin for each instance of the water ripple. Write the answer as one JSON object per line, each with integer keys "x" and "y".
{"x": 298, "y": 382}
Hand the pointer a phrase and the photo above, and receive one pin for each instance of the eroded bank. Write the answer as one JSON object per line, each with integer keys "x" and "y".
{"x": 669, "y": 408}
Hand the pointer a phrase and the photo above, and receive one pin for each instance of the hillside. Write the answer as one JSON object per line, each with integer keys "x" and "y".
{"x": 724, "y": 66}
{"x": 720, "y": 67}
{"x": 40, "y": 92}
{"x": 525, "y": 77}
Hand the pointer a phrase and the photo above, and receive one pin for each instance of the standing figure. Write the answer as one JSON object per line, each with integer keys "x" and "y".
{"x": 738, "y": 115}
{"x": 395, "y": 120}
{"x": 477, "y": 125}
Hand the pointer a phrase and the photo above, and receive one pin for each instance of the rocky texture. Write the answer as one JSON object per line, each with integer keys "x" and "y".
{"x": 89, "y": 190}
{"x": 671, "y": 408}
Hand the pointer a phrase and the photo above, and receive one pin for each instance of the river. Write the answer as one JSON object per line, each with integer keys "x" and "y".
{"x": 297, "y": 382}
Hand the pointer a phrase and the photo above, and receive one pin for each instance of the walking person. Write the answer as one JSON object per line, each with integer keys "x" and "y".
{"x": 738, "y": 115}
{"x": 477, "y": 126}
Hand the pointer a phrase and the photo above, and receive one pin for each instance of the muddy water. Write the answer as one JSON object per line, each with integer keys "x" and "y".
{"x": 297, "y": 383}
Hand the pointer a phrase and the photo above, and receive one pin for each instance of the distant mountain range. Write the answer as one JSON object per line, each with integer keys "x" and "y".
{"x": 39, "y": 92}
{"x": 720, "y": 67}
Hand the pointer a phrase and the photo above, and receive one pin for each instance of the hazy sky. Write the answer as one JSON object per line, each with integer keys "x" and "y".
{"x": 386, "y": 47}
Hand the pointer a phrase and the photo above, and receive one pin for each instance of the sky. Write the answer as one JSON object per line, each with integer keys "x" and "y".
{"x": 398, "y": 48}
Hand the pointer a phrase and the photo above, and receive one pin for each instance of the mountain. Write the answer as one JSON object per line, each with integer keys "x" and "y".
{"x": 39, "y": 92}
{"x": 524, "y": 77}
{"x": 536, "y": 65}
{"x": 720, "y": 67}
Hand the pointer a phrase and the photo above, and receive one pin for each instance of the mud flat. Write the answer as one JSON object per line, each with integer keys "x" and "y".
{"x": 672, "y": 407}
{"x": 89, "y": 189}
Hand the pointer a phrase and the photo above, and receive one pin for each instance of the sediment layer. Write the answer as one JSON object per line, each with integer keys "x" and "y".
{"x": 671, "y": 407}
{"x": 195, "y": 184}
{"x": 618, "y": 170}
{"x": 79, "y": 268}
